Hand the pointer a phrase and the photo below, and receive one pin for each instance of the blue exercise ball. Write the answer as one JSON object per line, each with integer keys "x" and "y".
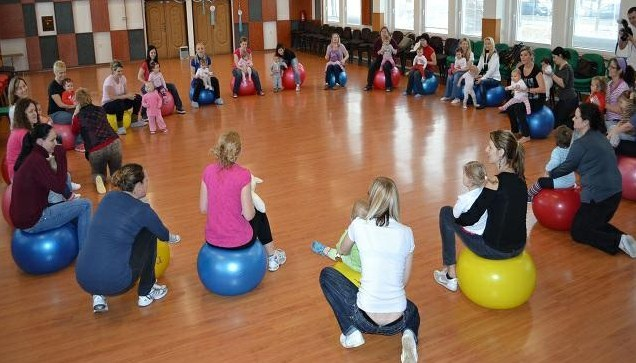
{"x": 429, "y": 85}
{"x": 45, "y": 252}
{"x": 231, "y": 272}
{"x": 342, "y": 79}
{"x": 541, "y": 123}
{"x": 495, "y": 96}
{"x": 206, "y": 97}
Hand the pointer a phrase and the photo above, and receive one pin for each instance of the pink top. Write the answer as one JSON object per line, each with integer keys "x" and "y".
{"x": 152, "y": 101}
{"x": 157, "y": 79}
{"x": 225, "y": 225}
{"x": 14, "y": 146}
{"x": 237, "y": 52}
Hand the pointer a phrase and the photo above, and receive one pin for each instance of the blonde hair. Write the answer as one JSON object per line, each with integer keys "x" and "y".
{"x": 492, "y": 41}
{"x": 384, "y": 201}
{"x": 476, "y": 173}
{"x": 228, "y": 148}
{"x": 468, "y": 51}
{"x": 602, "y": 84}
{"x": 360, "y": 209}
{"x": 82, "y": 97}
{"x": 59, "y": 66}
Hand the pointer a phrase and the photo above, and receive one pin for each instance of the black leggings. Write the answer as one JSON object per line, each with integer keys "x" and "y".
{"x": 117, "y": 107}
{"x": 563, "y": 111}
{"x": 142, "y": 262}
{"x": 197, "y": 84}
{"x": 518, "y": 117}
{"x": 260, "y": 231}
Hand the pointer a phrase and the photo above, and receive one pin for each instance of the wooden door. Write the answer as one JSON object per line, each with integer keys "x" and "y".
{"x": 166, "y": 27}
{"x": 218, "y": 37}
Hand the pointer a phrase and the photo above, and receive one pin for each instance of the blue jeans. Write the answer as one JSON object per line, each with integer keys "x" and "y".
{"x": 448, "y": 228}
{"x": 485, "y": 85}
{"x": 341, "y": 294}
{"x": 62, "y": 117}
{"x": 414, "y": 83}
{"x": 59, "y": 214}
{"x": 335, "y": 70}
{"x": 452, "y": 90}
{"x": 294, "y": 65}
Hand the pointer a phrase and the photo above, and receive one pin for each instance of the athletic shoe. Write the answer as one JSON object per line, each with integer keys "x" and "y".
{"x": 440, "y": 277}
{"x": 444, "y": 99}
{"x": 353, "y": 340}
{"x": 218, "y": 101}
{"x": 275, "y": 260}
{"x": 409, "y": 347}
{"x": 99, "y": 304}
{"x": 121, "y": 131}
{"x": 194, "y": 104}
{"x": 174, "y": 238}
{"x": 455, "y": 101}
{"x": 367, "y": 88}
{"x": 75, "y": 186}
{"x": 297, "y": 88}
{"x": 154, "y": 294}
{"x": 181, "y": 111}
{"x": 140, "y": 123}
{"x": 99, "y": 184}
{"x": 628, "y": 245}
{"x": 234, "y": 95}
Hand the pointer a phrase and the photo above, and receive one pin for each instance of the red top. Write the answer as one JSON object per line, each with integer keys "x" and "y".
{"x": 237, "y": 53}
{"x": 597, "y": 98}
{"x": 428, "y": 53}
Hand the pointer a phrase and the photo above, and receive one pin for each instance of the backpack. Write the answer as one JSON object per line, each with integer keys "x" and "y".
{"x": 511, "y": 57}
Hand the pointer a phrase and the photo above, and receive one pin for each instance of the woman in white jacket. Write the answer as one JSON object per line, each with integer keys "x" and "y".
{"x": 489, "y": 76}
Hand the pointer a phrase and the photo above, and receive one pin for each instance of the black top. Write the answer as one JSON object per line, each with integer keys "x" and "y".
{"x": 507, "y": 206}
{"x": 55, "y": 89}
{"x": 566, "y": 92}
{"x": 532, "y": 81}
{"x": 288, "y": 55}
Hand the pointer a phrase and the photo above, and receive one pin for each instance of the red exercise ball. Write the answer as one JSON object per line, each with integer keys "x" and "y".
{"x": 627, "y": 167}
{"x": 68, "y": 139}
{"x": 246, "y": 88}
{"x": 288, "y": 77}
{"x": 556, "y": 208}
{"x": 5, "y": 170}
{"x": 167, "y": 108}
{"x": 6, "y": 204}
{"x": 379, "y": 81}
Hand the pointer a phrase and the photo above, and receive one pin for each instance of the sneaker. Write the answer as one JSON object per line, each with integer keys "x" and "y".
{"x": 218, "y": 101}
{"x": 154, "y": 294}
{"x": 158, "y": 286}
{"x": 234, "y": 95}
{"x": 367, "y": 88}
{"x": 297, "y": 88}
{"x": 628, "y": 245}
{"x": 353, "y": 340}
{"x": 455, "y": 101}
{"x": 261, "y": 93}
{"x": 80, "y": 148}
{"x": 99, "y": 304}
{"x": 405, "y": 93}
{"x": 181, "y": 111}
{"x": 444, "y": 99}
{"x": 75, "y": 186}
{"x": 465, "y": 106}
{"x": 272, "y": 263}
{"x": 165, "y": 131}
{"x": 417, "y": 95}
{"x": 326, "y": 87}
{"x": 281, "y": 257}
{"x": 440, "y": 277}
{"x": 194, "y": 104}
{"x": 140, "y": 123}
{"x": 99, "y": 184}
{"x": 174, "y": 238}
{"x": 409, "y": 347}
{"x": 121, "y": 131}
{"x": 479, "y": 107}
{"x": 389, "y": 89}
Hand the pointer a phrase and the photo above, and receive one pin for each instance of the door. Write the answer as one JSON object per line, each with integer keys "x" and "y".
{"x": 166, "y": 27}
{"x": 216, "y": 36}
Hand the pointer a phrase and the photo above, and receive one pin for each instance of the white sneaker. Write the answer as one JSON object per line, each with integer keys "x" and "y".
{"x": 174, "y": 238}
{"x": 272, "y": 263}
{"x": 75, "y": 186}
{"x": 465, "y": 106}
{"x": 444, "y": 99}
{"x": 99, "y": 184}
{"x": 121, "y": 131}
{"x": 139, "y": 123}
{"x": 628, "y": 245}
{"x": 440, "y": 277}
{"x": 409, "y": 347}
{"x": 194, "y": 104}
{"x": 218, "y": 101}
{"x": 352, "y": 340}
{"x": 455, "y": 101}
{"x": 281, "y": 257}
{"x": 297, "y": 88}
{"x": 99, "y": 304}
{"x": 154, "y": 294}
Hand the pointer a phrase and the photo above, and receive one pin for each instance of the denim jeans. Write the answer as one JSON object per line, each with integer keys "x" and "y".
{"x": 342, "y": 296}
{"x": 62, "y": 117}
{"x": 414, "y": 83}
{"x": 109, "y": 156}
{"x": 54, "y": 197}
{"x": 59, "y": 214}
{"x": 452, "y": 89}
{"x": 448, "y": 228}
{"x": 294, "y": 65}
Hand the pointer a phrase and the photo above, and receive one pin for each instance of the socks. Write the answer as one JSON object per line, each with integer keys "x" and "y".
{"x": 448, "y": 276}
{"x": 321, "y": 249}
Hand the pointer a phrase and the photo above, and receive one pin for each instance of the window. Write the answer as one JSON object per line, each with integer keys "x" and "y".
{"x": 333, "y": 11}
{"x": 595, "y": 24}
{"x": 354, "y": 12}
{"x": 534, "y": 21}
{"x": 472, "y": 13}
{"x": 404, "y": 14}
{"x": 436, "y": 17}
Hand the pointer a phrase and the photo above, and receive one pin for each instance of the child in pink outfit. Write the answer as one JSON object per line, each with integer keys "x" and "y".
{"x": 520, "y": 92}
{"x": 387, "y": 51}
{"x": 153, "y": 101}
{"x": 156, "y": 77}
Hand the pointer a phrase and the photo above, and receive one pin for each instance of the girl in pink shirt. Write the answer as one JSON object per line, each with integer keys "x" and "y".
{"x": 153, "y": 101}
{"x": 226, "y": 197}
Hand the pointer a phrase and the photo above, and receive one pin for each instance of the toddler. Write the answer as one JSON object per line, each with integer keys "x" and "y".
{"x": 520, "y": 92}
{"x": 387, "y": 51}
{"x": 156, "y": 77}
{"x": 203, "y": 73}
{"x": 563, "y": 136}
{"x": 153, "y": 101}
{"x": 277, "y": 71}
{"x": 474, "y": 180}
{"x": 469, "y": 82}
{"x": 68, "y": 96}
{"x": 623, "y": 129}
{"x": 597, "y": 93}
{"x": 245, "y": 65}
{"x": 546, "y": 69}
{"x": 419, "y": 62}
{"x": 45, "y": 119}
{"x": 460, "y": 62}
{"x": 360, "y": 209}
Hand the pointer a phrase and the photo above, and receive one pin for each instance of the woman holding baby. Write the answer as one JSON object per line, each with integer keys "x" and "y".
{"x": 226, "y": 197}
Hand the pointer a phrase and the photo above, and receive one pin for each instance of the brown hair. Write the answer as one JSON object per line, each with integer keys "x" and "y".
{"x": 563, "y": 136}
{"x": 513, "y": 151}
{"x": 20, "y": 120}
{"x": 13, "y": 85}
{"x": 228, "y": 148}
{"x": 128, "y": 176}
{"x": 360, "y": 209}
{"x": 82, "y": 97}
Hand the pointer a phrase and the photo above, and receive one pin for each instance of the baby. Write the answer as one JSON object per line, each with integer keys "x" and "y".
{"x": 419, "y": 62}
{"x": 520, "y": 92}
{"x": 387, "y": 51}
{"x": 277, "y": 72}
{"x": 204, "y": 74}
{"x": 68, "y": 96}
{"x": 474, "y": 180}
{"x": 460, "y": 61}
{"x": 469, "y": 82}
{"x": 563, "y": 138}
{"x": 546, "y": 69}
{"x": 245, "y": 65}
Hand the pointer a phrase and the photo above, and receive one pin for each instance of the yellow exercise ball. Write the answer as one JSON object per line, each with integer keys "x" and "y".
{"x": 112, "y": 119}
{"x": 496, "y": 284}
{"x": 350, "y": 274}
{"x": 163, "y": 258}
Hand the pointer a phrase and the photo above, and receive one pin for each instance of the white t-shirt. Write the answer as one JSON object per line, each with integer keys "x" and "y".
{"x": 383, "y": 254}
{"x": 119, "y": 88}
{"x": 463, "y": 204}
{"x": 629, "y": 52}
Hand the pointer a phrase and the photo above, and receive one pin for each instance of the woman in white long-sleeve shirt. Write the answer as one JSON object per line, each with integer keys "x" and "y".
{"x": 489, "y": 76}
